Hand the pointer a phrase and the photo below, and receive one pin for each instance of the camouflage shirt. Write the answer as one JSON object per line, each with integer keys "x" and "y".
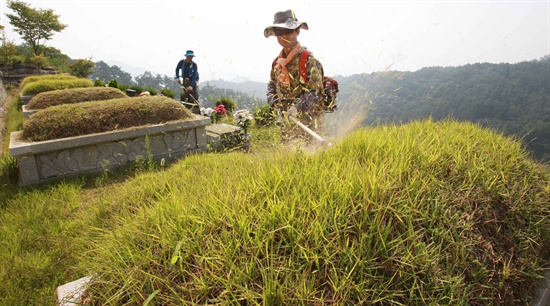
{"x": 306, "y": 96}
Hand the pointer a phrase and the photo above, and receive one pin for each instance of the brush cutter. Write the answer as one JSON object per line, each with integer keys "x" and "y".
{"x": 192, "y": 105}
{"x": 292, "y": 112}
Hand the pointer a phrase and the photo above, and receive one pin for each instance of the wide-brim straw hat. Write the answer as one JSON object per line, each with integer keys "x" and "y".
{"x": 287, "y": 20}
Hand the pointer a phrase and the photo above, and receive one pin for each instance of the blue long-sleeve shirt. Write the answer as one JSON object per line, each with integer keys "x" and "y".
{"x": 190, "y": 71}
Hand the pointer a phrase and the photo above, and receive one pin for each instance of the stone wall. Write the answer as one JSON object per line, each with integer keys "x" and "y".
{"x": 14, "y": 74}
{"x": 3, "y": 94}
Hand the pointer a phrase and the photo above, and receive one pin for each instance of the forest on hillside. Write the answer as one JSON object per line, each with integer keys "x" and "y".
{"x": 511, "y": 98}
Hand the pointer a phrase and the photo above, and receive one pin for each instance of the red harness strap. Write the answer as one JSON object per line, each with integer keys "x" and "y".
{"x": 303, "y": 64}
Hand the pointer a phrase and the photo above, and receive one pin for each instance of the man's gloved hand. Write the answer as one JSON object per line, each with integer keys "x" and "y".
{"x": 307, "y": 102}
{"x": 178, "y": 80}
{"x": 189, "y": 89}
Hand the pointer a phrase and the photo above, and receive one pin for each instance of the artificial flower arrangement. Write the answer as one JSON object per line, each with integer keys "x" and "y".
{"x": 220, "y": 109}
{"x": 207, "y": 111}
{"x": 243, "y": 118}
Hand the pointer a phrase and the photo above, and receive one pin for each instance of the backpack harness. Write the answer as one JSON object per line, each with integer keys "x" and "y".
{"x": 330, "y": 85}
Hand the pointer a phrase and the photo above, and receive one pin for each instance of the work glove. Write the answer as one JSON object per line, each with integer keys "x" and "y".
{"x": 307, "y": 102}
{"x": 178, "y": 80}
{"x": 189, "y": 89}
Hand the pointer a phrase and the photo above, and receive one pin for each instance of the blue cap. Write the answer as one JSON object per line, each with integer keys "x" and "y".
{"x": 189, "y": 53}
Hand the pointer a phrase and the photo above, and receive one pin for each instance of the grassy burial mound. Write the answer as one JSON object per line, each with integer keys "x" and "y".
{"x": 73, "y": 95}
{"x": 46, "y": 84}
{"x": 45, "y": 77}
{"x": 422, "y": 214}
{"x": 101, "y": 116}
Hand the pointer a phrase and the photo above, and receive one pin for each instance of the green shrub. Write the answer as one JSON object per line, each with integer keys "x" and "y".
{"x": 101, "y": 116}
{"x": 151, "y": 90}
{"x": 99, "y": 83}
{"x": 135, "y": 87}
{"x": 228, "y": 103}
{"x": 113, "y": 83}
{"x": 49, "y": 85}
{"x": 45, "y": 77}
{"x": 73, "y": 95}
{"x": 263, "y": 115}
{"x": 82, "y": 68}
{"x": 169, "y": 93}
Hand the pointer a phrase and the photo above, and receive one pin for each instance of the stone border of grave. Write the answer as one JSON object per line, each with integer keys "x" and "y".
{"x": 45, "y": 160}
{"x": 26, "y": 99}
{"x": 28, "y": 112}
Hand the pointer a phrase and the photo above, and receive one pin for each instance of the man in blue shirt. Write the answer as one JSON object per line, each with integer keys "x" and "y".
{"x": 189, "y": 79}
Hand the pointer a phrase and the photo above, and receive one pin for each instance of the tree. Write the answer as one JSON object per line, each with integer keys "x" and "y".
{"x": 33, "y": 25}
{"x": 56, "y": 59}
{"x": 7, "y": 50}
{"x": 106, "y": 73}
{"x": 81, "y": 68}
{"x": 39, "y": 61}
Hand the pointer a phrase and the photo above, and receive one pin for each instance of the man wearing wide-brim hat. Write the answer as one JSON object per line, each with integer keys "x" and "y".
{"x": 287, "y": 86}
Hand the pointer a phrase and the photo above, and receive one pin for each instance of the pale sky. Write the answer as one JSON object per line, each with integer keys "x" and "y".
{"x": 348, "y": 36}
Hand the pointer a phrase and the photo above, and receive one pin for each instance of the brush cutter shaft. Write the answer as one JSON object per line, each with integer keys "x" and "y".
{"x": 309, "y": 131}
{"x": 187, "y": 103}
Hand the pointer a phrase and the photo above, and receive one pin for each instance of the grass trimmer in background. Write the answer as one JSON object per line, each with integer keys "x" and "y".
{"x": 194, "y": 107}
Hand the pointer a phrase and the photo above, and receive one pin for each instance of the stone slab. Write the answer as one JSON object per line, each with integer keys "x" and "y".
{"x": 70, "y": 294}
{"x": 223, "y": 128}
{"x": 543, "y": 295}
{"x": 222, "y": 136}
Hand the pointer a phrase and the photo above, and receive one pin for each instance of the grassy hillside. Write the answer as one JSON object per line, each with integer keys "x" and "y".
{"x": 424, "y": 213}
